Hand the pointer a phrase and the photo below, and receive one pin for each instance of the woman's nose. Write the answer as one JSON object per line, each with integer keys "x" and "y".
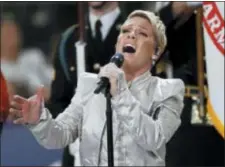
{"x": 132, "y": 35}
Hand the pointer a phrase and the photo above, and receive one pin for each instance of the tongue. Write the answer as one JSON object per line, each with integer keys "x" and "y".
{"x": 128, "y": 49}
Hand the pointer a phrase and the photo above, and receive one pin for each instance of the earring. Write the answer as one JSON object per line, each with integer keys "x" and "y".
{"x": 153, "y": 62}
{"x": 154, "y": 58}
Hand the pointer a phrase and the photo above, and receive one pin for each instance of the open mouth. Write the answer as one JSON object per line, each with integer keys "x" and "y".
{"x": 129, "y": 48}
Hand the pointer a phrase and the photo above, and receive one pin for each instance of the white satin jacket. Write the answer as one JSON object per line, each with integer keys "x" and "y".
{"x": 145, "y": 117}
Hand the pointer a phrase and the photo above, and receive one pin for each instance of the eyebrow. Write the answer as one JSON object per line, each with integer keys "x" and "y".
{"x": 129, "y": 25}
{"x": 143, "y": 28}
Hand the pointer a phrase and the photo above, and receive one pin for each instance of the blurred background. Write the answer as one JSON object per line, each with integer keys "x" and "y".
{"x": 30, "y": 33}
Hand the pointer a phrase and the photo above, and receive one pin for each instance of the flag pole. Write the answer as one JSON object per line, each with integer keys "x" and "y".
{"x": 79, "y": 47}
{"x": 81, "y": 44}
{"x": 200, "y": 65}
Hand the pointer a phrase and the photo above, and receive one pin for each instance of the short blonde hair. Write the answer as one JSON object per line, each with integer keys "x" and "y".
{"x": 158, "y": 28}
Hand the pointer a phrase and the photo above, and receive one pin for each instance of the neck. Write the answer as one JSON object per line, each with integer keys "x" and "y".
{"x": 108, "y": 7}
{"x": 131, "y": 75}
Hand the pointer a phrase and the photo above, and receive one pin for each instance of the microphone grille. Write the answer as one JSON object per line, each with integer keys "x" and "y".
{"x": 118, "y": 59}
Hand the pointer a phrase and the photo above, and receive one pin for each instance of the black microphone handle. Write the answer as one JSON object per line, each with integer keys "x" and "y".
{"x": 103, "y": 83}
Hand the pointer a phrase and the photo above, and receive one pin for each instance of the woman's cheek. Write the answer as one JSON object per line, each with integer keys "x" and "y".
{"x": 119, "y": 44}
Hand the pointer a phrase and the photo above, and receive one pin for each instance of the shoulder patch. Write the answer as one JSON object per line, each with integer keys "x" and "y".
{"x": 69, "y": 30}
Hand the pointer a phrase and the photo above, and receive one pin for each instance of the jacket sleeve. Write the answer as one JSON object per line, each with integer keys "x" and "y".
{"x": 58, "y": 133}
{"x": 62, "y": 90}
{"x": 151, "y": 133}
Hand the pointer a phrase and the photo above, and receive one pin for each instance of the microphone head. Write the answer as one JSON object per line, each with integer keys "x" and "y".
{"x": 118, "y": 59}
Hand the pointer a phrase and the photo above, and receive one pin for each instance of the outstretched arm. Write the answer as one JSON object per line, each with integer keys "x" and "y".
{"x": 49, "y": 132}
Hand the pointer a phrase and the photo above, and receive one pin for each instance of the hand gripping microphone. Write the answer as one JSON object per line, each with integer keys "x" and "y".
{"x": 118, "y": 60}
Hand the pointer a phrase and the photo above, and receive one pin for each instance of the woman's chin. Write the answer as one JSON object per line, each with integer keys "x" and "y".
{"x": 128, "y": 65}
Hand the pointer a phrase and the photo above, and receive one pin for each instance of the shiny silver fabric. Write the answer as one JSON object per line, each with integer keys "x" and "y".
{"x": 145, "y": 117}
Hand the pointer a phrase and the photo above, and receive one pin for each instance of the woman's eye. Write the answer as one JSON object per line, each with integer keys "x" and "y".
{"x": 124, "y": 30}
{"x": 144, "y": 34}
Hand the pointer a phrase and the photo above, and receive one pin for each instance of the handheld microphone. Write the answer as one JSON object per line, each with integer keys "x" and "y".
{"x": 118, "y": 60}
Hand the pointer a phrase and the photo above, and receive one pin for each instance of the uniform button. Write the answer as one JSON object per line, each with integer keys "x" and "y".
{"x": 96, "y": 66}
{"x": 72, "y": 68}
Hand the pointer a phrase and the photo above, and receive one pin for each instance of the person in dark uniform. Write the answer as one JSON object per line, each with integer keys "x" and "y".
{"x": 102, "y": 26}
{"x": 192, "y": 144}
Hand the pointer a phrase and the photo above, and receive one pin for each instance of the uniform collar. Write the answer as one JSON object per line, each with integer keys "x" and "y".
{"x": 107, "y": 21}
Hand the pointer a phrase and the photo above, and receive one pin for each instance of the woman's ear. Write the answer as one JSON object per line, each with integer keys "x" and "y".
{"x": 156, "y": 51}
{"x": 155, "y": 57}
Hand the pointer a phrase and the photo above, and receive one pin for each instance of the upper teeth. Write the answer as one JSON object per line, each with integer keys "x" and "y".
{"x": 129, "y": 45}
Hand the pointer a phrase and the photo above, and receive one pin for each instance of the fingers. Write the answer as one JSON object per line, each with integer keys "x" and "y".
{"x": 33, "y": 107}
{"x": 111, "y": 69}
{"x": 19, "y": 121}
{"x": 111, "y": 76}
{"x": 16, "y": 105}
{"x": 17, "y": 102}
{"x": 14, "y": 114}
{"x": 40, "y": 94}
{"x": 25, "y": 110}
{"x": 19, "y": 99}
{"x": 112, "y": 72}
{"x": 115, "y": 76}
{"x": 40, "y": 91}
